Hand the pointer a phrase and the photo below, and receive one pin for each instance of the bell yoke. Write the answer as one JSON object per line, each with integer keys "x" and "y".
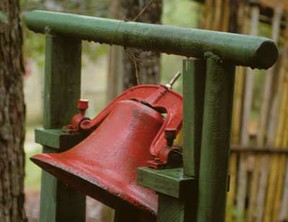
{"x": 136, "y": 129}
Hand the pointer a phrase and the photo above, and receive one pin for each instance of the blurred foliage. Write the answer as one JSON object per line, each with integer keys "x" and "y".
{"x": 32, "y": 181}
{"x": 34, "y": 45}
{"x": 183, "y": 13}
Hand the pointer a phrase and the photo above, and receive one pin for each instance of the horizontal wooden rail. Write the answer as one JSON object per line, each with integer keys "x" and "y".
{"x": 255, "y": 52}
{"x": 259, "y": 150}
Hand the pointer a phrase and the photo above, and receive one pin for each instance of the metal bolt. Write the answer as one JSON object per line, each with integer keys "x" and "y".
{"x": 170, "y": 135}
{"x": 83, "y": 105}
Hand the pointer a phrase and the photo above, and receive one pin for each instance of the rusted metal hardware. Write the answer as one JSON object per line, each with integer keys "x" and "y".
{"x": 75, "y": 126}
{"x": 131, "y": 131}
{"x": 158, "y": 97}
{"x": 172, "y": 154}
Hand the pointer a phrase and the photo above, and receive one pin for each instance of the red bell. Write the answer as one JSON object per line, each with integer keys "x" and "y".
{"x": 128, "y": 134}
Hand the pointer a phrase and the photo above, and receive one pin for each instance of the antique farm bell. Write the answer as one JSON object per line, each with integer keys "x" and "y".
{"x": 128, "y": 133}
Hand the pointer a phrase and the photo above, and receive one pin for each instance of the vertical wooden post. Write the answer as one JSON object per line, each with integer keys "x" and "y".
{"x": 194, "y": 75}
{"x": 170, "y": 209}
{"x": 216, "y": 140}
{"x": 62, "y": 90}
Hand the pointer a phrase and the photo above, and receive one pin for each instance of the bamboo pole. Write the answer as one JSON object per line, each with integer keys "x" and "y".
{"x": 283, "y": 214}
{"x": 269, "y": 164}
{"x": 269, "y": 77}
{"x": 218, "y": 14}
{"x": 281, "y": 89}
{"x": 225, "y": 16}
{"x": 208, "y": 14}
{"x": 279, "y": 166}
{"x": 235, "y": 139}
{"x": 264, "y": 161}
{"x": 231, "y": 20}
{"x": 242, "y": 182}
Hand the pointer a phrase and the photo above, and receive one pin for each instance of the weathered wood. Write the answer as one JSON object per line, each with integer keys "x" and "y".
{"x": 264, "y": 212}
{"x": 160, "y": 38}
{"x": 57, "y": 138}
{"x": 283, "y": 214}
{"x": 235, "y": 139}
{"x": 247, "y": 107}
{"x": 170, "y": 209}
{"x": 62, "y": 90}
{"x": 170, "y": 182}
{"x": 271, "y": 206}
{"x": 194, "y": 75}
{"x": 12, "y": 114}
{"x": 259, "y": 150}
{"x": 215, "y": 145}
{"x": 237, "y": 24}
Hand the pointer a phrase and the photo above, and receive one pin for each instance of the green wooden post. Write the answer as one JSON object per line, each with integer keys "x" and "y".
{"x": 170, "y": 209}
{"x": 62, "y": 90}
{"x": 194, "y": 75}
{"x": 215, "y": 140}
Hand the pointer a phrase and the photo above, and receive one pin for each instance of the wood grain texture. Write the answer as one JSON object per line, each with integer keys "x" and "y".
{"x": 62, "y": 90}
{"x": 216, "y": 140}
{"x": 194, "y": 75}
{"x": 12, "y": 114}
{"x": 57, "y": 139}
{"x": 170, "y": 209}
{"x": 170, "y": 182}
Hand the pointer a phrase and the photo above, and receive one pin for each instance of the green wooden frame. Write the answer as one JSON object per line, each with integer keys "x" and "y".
{"x": 197, "y": 192}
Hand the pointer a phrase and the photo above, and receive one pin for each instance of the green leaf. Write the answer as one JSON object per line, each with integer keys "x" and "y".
{"x": 3, "y": 17}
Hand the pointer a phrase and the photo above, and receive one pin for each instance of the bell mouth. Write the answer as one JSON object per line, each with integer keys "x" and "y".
{"x": 100, "y": 187}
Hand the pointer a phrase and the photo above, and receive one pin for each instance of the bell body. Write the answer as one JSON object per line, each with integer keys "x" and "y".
{"x": 104, "y": 164}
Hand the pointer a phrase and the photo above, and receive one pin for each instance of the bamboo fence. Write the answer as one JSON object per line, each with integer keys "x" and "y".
{"x": 259, "y": 160}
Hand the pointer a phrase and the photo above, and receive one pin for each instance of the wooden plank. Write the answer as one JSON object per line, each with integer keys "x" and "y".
{"x": 259, "y": 150}
{"x": 57, "y": 138}
{"x": 62, "y": 90}
{"x": 170, "y": 182}
{"x": 194, "y": 74}
{"x": 216, "y": 145}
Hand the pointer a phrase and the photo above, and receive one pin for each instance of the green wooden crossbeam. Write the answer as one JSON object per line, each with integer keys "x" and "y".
{"x": 57, "y": 139}
{"x": 256, "y": 52}
{"x": 171, "y": 182}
